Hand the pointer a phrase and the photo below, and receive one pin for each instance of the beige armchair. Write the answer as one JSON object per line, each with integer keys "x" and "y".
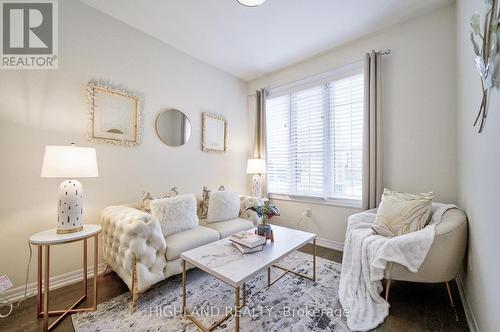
{"x": 444, "y": 257}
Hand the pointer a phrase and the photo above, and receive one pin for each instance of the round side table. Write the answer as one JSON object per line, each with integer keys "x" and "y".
{"x": 50, "y": 238}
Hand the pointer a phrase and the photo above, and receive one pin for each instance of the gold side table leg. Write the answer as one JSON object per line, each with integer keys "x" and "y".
{"x": 96, "y": 259}
{"x": 85, "y": 268}
{"x": 43, "y": 283}
{"x": 46, "y": 290}
{"x": 39, "y": 307}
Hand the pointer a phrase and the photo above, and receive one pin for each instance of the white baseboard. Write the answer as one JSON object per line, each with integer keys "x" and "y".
{"x": 330, "y": 244}
{"x": 469, "y": 314}
{"x": 55, "y": 282}
{"x": 17, "y": 293}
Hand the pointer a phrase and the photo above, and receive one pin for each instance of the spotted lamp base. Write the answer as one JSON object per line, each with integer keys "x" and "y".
{"x": 257, "y": 185}
{"x": 70, "y": 207}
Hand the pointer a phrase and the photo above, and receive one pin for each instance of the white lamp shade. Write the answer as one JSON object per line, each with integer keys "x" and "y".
{"x": 256, "y": 166}
{"x": 69, "y": 162}
{"x": 251, "y": 3}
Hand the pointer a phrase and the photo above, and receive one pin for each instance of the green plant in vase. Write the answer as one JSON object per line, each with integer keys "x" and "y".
{"x": 265, "y": 211}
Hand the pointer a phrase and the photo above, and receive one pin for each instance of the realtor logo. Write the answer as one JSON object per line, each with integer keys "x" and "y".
{"x": 29, "y": 34}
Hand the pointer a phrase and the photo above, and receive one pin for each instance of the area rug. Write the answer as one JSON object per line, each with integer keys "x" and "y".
{"x": 291, "y": 304}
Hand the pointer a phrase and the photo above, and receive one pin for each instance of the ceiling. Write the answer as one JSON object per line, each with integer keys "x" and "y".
{"x": 250, "y": 42}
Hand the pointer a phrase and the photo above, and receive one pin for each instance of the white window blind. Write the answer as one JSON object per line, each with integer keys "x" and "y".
{"x": 314, "y": 138}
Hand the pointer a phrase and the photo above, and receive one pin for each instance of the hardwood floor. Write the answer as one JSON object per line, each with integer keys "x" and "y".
{"x": 414, "y": 307}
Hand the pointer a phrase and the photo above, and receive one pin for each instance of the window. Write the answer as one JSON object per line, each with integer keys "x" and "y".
{"x": 314, "y": 134}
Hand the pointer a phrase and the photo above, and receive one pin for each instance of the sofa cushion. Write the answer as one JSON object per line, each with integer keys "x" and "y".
{"x": 223, "y": 205}
{"x": 175, "y": 214}
{"x": 189, "y": 239}
{"x": 228, "y": 227}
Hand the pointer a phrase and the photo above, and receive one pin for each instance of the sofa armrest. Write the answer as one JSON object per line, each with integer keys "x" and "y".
{"x": 132, "y": 239}
{"x": 445, "y": 255}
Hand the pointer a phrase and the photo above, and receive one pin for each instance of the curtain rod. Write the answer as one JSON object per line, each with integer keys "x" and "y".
{"x": 387, "y": 51}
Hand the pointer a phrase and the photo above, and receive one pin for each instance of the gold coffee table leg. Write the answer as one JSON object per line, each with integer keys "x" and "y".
{"x": 287, "y": 270}
{"x": 234, "y": 311}
{"x": 244, "y": 295}
{"x": 183, "y": 287}
{"x": 237, "y": 310}
{"x": 314, "y": 259}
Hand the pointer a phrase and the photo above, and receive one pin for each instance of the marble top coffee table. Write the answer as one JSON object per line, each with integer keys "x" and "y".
{"x": 222, "y": 260}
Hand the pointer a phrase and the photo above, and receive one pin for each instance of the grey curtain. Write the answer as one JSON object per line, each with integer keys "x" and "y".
{"x": 372, "y": 132}
{"x": 260, "y": 140}
{"x": 260, "y": 133}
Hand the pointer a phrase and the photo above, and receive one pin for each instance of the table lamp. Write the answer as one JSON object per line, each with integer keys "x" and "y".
{"x": 69, "y": 162}
{"x": 256, "y": 167}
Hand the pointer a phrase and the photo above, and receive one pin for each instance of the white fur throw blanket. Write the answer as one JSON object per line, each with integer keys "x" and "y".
{"x": 365, "y": 257}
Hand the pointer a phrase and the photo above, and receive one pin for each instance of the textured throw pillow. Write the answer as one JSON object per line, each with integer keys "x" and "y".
{"x": 147, "y": 197}
{"x": 400, "y": 213}
{"x": 175, "y": 214}
{"x": 205, "y": 196}
{"x": 223, "y": 205}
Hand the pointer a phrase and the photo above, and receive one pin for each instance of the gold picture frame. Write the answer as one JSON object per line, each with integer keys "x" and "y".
{"x": 114, "y": 115}
{"x": 214, "y": 133}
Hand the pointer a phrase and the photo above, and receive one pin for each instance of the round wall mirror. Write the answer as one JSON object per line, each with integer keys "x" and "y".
{"x": 173, "y": 127}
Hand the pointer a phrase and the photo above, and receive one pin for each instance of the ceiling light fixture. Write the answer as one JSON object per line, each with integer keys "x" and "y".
{"x": 251, "y": 3}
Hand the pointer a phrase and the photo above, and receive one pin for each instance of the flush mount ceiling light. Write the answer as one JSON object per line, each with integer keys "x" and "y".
{"x": 251, "y": 3}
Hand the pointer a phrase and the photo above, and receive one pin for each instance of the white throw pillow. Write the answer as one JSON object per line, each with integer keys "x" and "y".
{"x": 223, "y": 205}
{"x": 175, "y": 214}
{"x": 203, "y": 209}
{"x": 401, "y": 213}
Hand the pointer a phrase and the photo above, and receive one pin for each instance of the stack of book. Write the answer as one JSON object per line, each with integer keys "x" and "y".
{"x": 247, "y": 242}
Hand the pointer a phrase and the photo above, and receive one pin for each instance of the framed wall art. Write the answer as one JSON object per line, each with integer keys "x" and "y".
{"x": 214, "y": 133}
{"x": 114, "y": 115}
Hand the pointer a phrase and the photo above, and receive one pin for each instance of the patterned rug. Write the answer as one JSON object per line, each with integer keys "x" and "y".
{"x": 291, "y": 304}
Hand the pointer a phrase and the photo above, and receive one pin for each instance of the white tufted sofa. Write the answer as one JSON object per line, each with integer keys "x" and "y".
{"x": 135, "y": 248}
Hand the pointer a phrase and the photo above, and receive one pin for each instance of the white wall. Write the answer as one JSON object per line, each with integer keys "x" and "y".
{"x": 418, "y": 112}
{"x": 44, "y": 107}
{"x": 478, "y": 179}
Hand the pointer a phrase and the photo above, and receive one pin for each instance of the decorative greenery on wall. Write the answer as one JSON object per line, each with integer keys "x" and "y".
{"x": 485, "y": 44}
